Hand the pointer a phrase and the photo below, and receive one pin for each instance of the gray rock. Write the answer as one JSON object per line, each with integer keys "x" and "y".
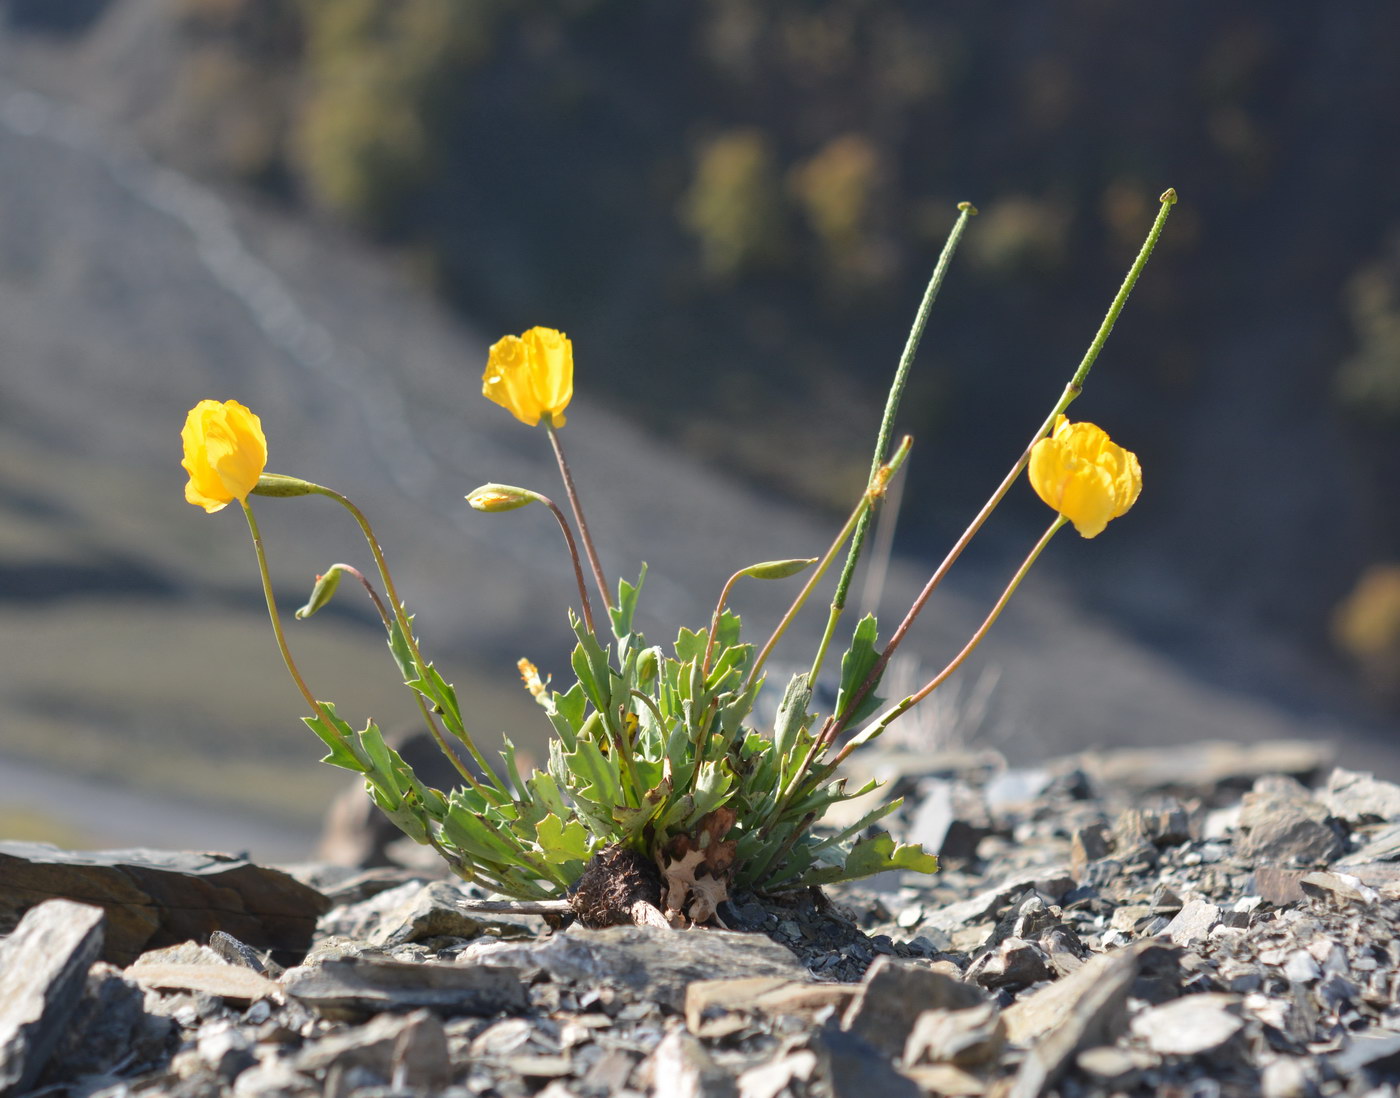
{"x": 681, "y": 1068}
{"x": 647, "y": 962}
{"x": 434, "y": 910}
{"x": 157, "y": 898}
{"x": 1190, "y": 1025}
{"x": 1053, "y": 880}
{"x": 1014, "y": 964}
{"x": 950, "y": 820}
{"x": 1375, "y": 1051}
{"x": 43, "y": 972}
{"x": 857, "y": 1069}
{"x": 110, "y": 1026}
{"x": 408, "y": 1050}
{"x": 1072, "y": 1014}
{"x": 1204, "y": 766}
{"x": 1116, "y": 1067}
{"x": 1360, "y": 798}
{"x": 893, "y": 996}
{"x": 1283, "y": 828}
{"x": 967, "y": 1038}
{"x": 1193, "y": 923}
{"x": 358, "y": 987}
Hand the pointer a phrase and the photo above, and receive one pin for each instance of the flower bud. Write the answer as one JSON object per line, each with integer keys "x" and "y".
{"x": 274, "y": 484}
{"x": 500, "y": 497}
{"x": 322, "y": 592}
{"x": 778, "y": 569}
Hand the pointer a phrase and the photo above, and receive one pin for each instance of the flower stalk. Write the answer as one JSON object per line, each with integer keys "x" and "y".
{"x": 966, "y": 211}
{"x": 574, "y": 504}
{"x": 838, "y": 721}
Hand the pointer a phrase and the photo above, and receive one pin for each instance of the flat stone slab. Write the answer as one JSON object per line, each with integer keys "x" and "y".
{"x": 43, "y": 970}
{"x": 360, "y": 987}
{"x": 155, "y": 898}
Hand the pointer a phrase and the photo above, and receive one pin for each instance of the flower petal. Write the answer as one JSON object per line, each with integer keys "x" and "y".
{"x": 225, "y": 453}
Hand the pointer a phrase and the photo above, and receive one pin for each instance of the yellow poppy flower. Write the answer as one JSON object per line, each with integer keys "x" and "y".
{"x": 531, "y": 375}
{"x": 1083, "y": 474}
{"x": 225, "y": 453}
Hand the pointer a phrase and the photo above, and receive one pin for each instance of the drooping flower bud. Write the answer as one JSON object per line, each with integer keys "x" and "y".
{"x": 326, "y": 584}
{"x": 500, "y": 497}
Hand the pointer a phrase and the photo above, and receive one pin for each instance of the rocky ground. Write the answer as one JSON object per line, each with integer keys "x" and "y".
{"x": 1204, "y": 920}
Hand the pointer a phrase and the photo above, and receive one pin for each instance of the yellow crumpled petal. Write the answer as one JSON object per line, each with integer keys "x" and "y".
{"x": 225, "y": 453}
{"x": 531, "y": 375}
{"x": 1084, "y": 475}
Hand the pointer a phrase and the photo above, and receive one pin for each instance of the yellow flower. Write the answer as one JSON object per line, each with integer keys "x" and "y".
{"x": 1083, "y": 474}
{"x": 531, "y": 375}
{"x": 225, "y": 452}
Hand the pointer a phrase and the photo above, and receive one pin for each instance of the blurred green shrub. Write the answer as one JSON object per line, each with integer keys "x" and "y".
{"x": 836, "y": 189}
{"x": 1368, "y": 383}
{"x": 734, "y": 205}
{"x": 381, "y": 77}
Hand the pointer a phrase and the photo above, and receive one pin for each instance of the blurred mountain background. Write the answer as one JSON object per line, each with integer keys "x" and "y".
{"x": 329, "y": 210}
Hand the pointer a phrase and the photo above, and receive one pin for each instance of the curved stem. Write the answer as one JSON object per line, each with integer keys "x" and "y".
{"x": 885, "y": 719}
{"x": 282, "y": 645}
{"x": 573, "y": 555}
{"x": 714, "y": 623}
{"x": 406, "y": 628}
{"x": 578, "y": 513}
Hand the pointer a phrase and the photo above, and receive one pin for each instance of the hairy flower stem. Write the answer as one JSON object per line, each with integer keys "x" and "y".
{"x": 572, "y": 493}
{"x": 282, "y": 645}
{"x": 867, "y": 500}
{"x": 406, "y": 629}
{"x": 885, "y": 719}
{"x": 892, "y": 401}
{"x": 835, "y": 724}
{"x": 573, "y": 555}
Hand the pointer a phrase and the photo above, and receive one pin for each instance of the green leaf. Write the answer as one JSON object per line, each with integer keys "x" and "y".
{"x": 778, "y": 569}
{"x": 398, "y": 645}
{"x": 563, "y": 841}
{"x": 727, "y": 635}
{"x": 690, "y": 647}
{"x": 792, "y": 719}
{"x": 856, "y": 664}
{"x": 873, "y": 855}
{"x": 338, "y": 736}
{"x": 590, "y": 664}
{"x": 626, "y": 604}
{"x": 595, "y": 778}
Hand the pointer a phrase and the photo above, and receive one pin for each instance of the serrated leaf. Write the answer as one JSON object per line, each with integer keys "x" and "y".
{"x": 856, "y": 664}
{"x": 778, "y": 569}
{"x": 563, "y": 840}
{"x": 626, "y": 607}
{"x": 594, "y": 776}
{"x": 337, "y": 735}
{"x": 873, "y": 855}
{"x": 690, "y": 646}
